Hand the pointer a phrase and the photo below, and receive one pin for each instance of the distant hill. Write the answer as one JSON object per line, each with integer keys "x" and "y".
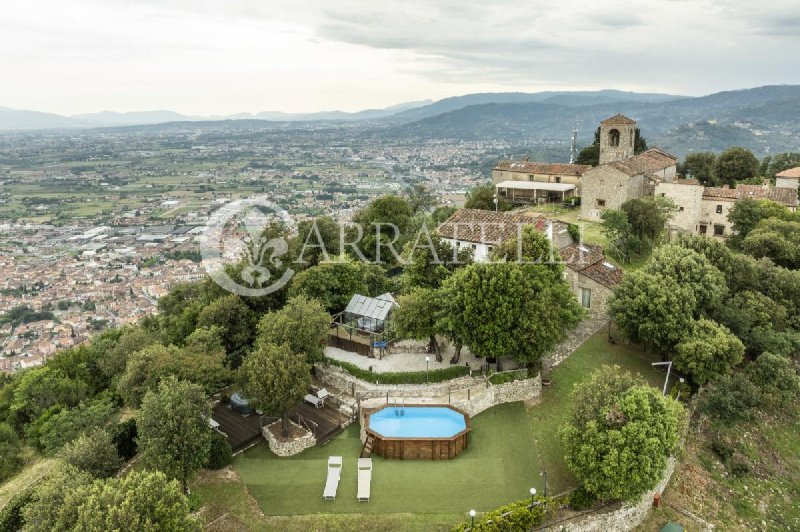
{"x": 763, "y": 119}
{"x": 111, "y": 118}
{"x": 22, "y": 119}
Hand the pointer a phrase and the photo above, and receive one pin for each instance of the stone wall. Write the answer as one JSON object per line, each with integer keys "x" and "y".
{"x": 610, "y": 185}
{"x": 688, "y": 199}
{"x": 575, "y": 338}
{"x": 289, "y": 448}
{"x": 626, "y": 517}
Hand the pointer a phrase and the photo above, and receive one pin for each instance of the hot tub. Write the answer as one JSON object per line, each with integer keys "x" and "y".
{"x": 436, "y": 432}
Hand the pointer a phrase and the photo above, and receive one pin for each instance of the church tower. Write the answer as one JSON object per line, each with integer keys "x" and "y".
{"x": 617, "y": 137}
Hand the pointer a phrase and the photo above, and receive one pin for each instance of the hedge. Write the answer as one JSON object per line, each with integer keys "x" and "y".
{"x": 508, "y": 376}
{"x": 410, "y": 377}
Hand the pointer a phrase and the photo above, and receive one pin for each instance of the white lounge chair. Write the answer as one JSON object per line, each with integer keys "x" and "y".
{"x": 334, "y": 474}
{"x": 314, "y": 400}
{"x": 364, "y": 479}
{"x": 323, "y": 394}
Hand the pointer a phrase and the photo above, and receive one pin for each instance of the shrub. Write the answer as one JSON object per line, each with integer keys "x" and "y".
{"x": 124, "y": 437}
{"x": 220, "y": 453}
{"x": 508, "y": 376}
{"x": 10, "y": 456}
{"x": 777, "y": 378}
{"x": 515, "y": 516}
{"x": 722, "y": 449}
{"x": 581, "y": 499}
{"x": 66, "y": 425}
{"x": 731, "y": 398}
{"x": 411, "y": 377}
{"x": 11, "y": 517}
{"x": 93, "y": 452}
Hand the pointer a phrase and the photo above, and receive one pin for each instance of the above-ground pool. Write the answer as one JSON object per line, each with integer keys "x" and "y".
{"x": 417, "y": 432}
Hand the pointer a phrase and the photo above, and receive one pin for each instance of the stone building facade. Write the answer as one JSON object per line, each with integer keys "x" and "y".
{"x": 526, "y": 170}
{"x": 788, "y": 179}
{"x": 590, "y": 276}
{"x": 617, "y": 138}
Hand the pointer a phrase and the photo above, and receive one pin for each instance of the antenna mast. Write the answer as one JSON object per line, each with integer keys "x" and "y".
{"x": 573, "y": 146}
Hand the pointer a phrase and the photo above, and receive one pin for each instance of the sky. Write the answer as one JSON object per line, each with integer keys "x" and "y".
{"x": 215, "y": 57}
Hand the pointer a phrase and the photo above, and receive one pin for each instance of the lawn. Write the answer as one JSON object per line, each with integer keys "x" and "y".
{"x": 500, "y": 465}
{"x": 554, "y": 407}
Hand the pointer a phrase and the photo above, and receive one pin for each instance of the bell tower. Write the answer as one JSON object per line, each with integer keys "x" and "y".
{"x": 617, "y": 137}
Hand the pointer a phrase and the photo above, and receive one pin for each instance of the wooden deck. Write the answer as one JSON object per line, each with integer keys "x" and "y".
{"x": 242, "y": 431}
{"x": 328, "y": 420}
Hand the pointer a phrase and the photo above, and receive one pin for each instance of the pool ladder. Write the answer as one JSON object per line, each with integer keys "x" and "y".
{"x": 400, "y": 407}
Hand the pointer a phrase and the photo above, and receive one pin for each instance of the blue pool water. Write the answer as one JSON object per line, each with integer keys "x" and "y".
{"x": 417, "y": 422}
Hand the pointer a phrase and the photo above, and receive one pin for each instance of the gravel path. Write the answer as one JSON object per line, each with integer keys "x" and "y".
{"x": 401, "y": 360}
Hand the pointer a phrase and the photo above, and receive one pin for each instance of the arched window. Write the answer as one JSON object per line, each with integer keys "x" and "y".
{"x": 613, "y": 137}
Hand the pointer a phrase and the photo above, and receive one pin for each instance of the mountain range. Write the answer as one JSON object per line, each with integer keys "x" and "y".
{"x": 764, "y": 119}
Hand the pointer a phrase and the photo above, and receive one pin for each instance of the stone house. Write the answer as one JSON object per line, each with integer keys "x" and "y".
{"x": 483, "y": 230}
{"x": 526, "y": 181}
{"x": 704, "y": 210}
{"x": 788, "y": 178}
{"x": 610, "y": 185}
{"x": 590, "y": 276}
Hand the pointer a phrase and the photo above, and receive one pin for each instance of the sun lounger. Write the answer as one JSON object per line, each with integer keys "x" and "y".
{"x": 334, "y": 474}
{"x": 364, "y": 479}
{"x": 314, "y": 400}
{"x": 323, "y": 394}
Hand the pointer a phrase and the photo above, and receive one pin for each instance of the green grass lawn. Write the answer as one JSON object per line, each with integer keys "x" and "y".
{"x": 500, "y": 465}
{"x": 553, "y": 410}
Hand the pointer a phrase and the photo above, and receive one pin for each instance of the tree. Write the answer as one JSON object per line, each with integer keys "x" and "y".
{"x": 274, "y": 380}
{"x": 690, "y": 269}
{"x": 709, "y": 350}
{"x": 618, "y": 230}
{"x": 93, "y": 452}
{"x": 508, "y": 309}
{"x": 10, "y": 452}
{"x": 386, "y": 221}
{"x": 68, "y": 424}
{"x": 420, "y": 197}
{"x": 416, "y": 317}
{"x": 528, "y": 246}
{"x": 621, "y": 452}
{"x": 316, "y": 240}
{"x": 333, "y": 284}
{"x": 118, "y": 349}
{"x": 302, "y": 325}
{"x": 604, "y": 386}
{"x": 700, "y": 166}
{"x": 761, "y": 327}
{"x": 746, "y": 214}
{"x": 735, "y": 164}
{"x": 648, "y": 217}
{"x": 777, "y": 377}
{"x": 780, "y": 162}
{"x": 430, "y": 263}
{"x": 482, "y": 197}
{"x": 776, "y": 239}
{"x": 48, "y": 509}
{"x": 174, "y": 436}
{"x": 731, "y": 398}
{"x": 591, "y": 153}
{"x": 236, "y": 323}
{"x": 653, "y": 309}
{"x": 138, "y": 502}
{"x": 220, "y": 453}
{"x": 41, "y": 388}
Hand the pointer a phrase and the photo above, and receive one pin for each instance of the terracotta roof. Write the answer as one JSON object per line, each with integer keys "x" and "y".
{"x": 791, "y": 172}
{"x": 786, "y": 196}
{"x": 543, "y": 168}
{"x": 618, "y": 119}
{"x": 589, "y": 260}
{"x": 485, "y": 227}
{"x": 648, "y": 161}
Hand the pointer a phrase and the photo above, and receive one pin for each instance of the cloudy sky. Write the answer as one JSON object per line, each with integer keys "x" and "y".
{"x": 225, "y": 56}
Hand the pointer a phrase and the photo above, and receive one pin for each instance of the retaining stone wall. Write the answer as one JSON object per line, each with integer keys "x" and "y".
{"x": 288, "y": 448}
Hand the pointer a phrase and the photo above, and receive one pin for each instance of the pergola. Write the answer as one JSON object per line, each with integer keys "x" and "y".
{"x": 530, "y": 191}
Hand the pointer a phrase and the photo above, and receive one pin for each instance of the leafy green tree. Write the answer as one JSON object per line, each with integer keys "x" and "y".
{"x": 700, "y": 166}
{"x": 420, "y": 197}
{"x": 731, "y": 398}
{"x": 302, "y": 325}
{"x": 138, "y": 502}
{"x": 417, "y": 315}
{"x": 648, "y": 217}
{"x": 333, "y": 284}
{"x": 529, "y": 246}
{"x": 220, "y": 453}
{"x": 236, "y": 322}
{"x": 10, "y": 452}
{"x": 274, "y": 380}
{"x": 430, "y": 263}
{"x": 41, "y": 388}
{"x": 617, "y": 229}
{"x": 509, "y": 309}
{"x": 68, "y": 424}
{"x": 762, "y": 327}
{"x": 710, "y": 350}
{"x": 93, "y": 452}
{"x": 603, "y": 388}
{"x": 735, "y": 164}
{"x": 387, "y": 220}
{"x": 779, "y": 163}
{"x": 776, "y": 239}
{"x": 124, "y": 436}
{"x": 116, "y": 353}
{"x": 746, "y": 214}
{"x": 482, "y": 197}
{"x": 48, "y": 509}
{"x": 653, "y": 309}
{"x": 174, "y": 435}
{"x": 441, "y": 214}
{"x": 317, "y": 240}
{"x": 690, "y": 269}
{"x": 621, "y": 452}
{"x": 777, "y": 377}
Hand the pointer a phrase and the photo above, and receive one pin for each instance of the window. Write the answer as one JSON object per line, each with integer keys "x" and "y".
{"x": 680, "y": 209}
{"x": 558, "y": 179}
{"x": 613, "y": 138}
{"x": 601, "y": 203}
{"x": 474, "y": 246}
{"x": 586, "y": 297}
{"x": 530, "y": 177}
{"x": 719, "y": 230}
{"x": 703, "y": 229}
{"x": 719, "y": 209}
